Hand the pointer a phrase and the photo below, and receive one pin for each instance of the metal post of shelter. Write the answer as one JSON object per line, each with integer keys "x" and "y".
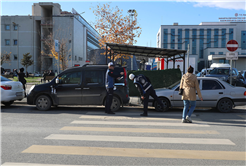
{"x": 110, "y": 54}
{"x": 174, "y": 63}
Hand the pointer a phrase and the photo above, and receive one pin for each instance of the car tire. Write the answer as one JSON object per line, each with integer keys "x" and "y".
{"x": 43, "y": 103}
{"x": 166, "y": 105}
{"x": 225, "y": 105}
{"x": 115, "y": 104}
{"x": 7, "y": 104}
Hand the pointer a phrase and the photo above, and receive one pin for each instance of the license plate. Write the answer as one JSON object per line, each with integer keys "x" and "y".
{"x": 19, "y": 93}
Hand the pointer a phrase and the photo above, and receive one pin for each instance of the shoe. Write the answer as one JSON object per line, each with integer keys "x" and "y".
{"x": 110, "y": 112}
{"x": 184, "y": 121}
{"x": 144, "y": 114}
{"x": 188, "y": 119}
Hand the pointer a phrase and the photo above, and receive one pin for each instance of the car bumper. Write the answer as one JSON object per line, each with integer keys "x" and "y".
{"x": 239, "y": 102}
{"x": 12, "y": 96}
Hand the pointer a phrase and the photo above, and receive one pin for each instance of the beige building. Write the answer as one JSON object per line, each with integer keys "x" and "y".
{"x": 30, "y": 34}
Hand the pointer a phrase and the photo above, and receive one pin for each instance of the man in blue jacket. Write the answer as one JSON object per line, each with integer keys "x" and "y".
{"x": 145, "y": 89}
{"x": 110, "y": 76}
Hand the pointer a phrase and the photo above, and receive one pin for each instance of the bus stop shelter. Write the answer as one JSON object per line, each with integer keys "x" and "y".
{"x": 148, "y": 52}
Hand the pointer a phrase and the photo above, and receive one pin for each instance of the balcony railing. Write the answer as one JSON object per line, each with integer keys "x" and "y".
{"x": 46, "y": 21}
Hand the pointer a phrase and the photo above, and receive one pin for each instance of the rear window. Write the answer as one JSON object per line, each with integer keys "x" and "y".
{"x": 220, "y": 71}
{"x": 4, "y": 79}
{"x": 117, "y": 71}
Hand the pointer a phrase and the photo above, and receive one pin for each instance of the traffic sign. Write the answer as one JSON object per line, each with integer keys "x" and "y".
{"x": 232, "y": 45}
{"x": 232, "y": 56}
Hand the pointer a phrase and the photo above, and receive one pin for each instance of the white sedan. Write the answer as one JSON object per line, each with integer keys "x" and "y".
{"x": 11, "y": 91}
{"x": 216, "y": 94}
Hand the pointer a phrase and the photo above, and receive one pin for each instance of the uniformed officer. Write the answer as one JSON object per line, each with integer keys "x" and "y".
{"x": 145, "y": 89}
{"x": 110, "y": 76}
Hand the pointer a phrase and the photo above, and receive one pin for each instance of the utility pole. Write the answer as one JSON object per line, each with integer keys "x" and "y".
{"x": 131, "y": 14}
{"x": 188, "y": 53}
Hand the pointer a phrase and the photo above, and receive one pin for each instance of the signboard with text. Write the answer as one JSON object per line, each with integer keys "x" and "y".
{"x": 232, "y": 56}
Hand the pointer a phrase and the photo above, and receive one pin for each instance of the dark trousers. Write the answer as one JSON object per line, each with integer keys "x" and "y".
{"x": 150, "y": 92}
{"x": 109, "y": 99}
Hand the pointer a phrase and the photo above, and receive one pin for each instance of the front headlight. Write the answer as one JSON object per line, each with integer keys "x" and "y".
{"x": 32, "y": 87}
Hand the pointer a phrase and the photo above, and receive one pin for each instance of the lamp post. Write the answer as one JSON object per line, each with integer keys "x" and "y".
{"x": 131, "y": 14}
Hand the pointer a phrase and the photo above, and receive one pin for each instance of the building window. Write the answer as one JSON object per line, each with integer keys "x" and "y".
{"x": 223, "y": 38}
{"x": 172, "y": 38}
{"x": 230, "y": 34}
{"x": 216, "y": 38}
{"x": 212, "y": 53}
{"x": 165, "y": 38}
{"x": 194, "y": 41}
{"x": 220, "y": 53}
{"x": 187, "y": 37}
{"x": 201, "y": 43}
{"x": 7, "y": 42}
{"x": 15, "y": 27}
{"x": 15, "y": 57}
{"x": 75, "y": 58}
{"x": 179, "y": 38}
{"x": 7, "y": 27}
{"x": 208, "y": 38}
{"x": 15, "y": 42}
{"x": 243, "y": 40}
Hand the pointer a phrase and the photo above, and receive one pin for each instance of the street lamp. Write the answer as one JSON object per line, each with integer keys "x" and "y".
{"x": 131, "y": 14}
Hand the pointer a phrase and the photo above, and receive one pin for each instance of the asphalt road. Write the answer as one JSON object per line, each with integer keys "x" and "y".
{"x": 86, "y": 136}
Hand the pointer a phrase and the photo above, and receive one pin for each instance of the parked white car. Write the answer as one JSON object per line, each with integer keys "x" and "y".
{"x": 11, "y": 91}
{"x": 216, "y": 94}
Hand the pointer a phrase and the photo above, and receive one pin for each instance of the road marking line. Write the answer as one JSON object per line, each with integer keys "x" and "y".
{"x": 129, "y": 118}
{"x": 140, "y": 130}
{"x": 106, "y": 138}
{"x": 36, "y": 164}
{"x": 242, "y": 116}
{"x": 131, "y": 152}
{"x": 140, "y": 123}
{"x": 138, "y": 113}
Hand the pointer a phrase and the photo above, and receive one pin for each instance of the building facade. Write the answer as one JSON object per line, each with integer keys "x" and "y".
{"x": 204, "y": 40}
{"x": 33, "y": 34}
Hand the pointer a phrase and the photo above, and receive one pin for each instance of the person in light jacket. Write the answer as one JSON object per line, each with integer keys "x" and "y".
{"x": 190, "y": 85}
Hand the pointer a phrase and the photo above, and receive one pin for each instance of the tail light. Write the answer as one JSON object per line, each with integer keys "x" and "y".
{"x": 245, "y": 93}
{"x": 125, "y": 76}
{"x": 6, "y": 87}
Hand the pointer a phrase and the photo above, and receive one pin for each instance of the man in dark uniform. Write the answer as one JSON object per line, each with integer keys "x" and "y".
{"x": 110, "y": 76}
{"x": 145, "y": 89}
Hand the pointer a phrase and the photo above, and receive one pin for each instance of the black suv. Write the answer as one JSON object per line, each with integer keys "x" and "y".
{"x": 80, "y": 86}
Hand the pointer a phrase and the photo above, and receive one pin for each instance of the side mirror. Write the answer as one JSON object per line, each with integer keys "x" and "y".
{"x": 57, "y": 80}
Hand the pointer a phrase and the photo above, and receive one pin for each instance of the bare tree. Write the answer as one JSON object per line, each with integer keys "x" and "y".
{"x": 5, "y": 58}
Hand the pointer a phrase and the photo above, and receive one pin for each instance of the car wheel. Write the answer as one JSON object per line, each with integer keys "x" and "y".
{"x": 158, "y": 106}
{"x": 7, "y": 104}
{"x": 115, "y": 104}
{"x": 43, "y": 103}
{"x": 225, "y": 105}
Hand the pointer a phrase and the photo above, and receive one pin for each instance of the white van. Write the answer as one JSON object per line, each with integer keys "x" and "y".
{"x": 220, "y": 65}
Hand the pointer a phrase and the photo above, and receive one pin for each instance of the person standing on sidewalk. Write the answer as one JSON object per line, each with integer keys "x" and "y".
{"x": 145, "y": 89}
{"x": 110, "y": 76}
{"x": 21, "y": 78}
{"x": 190, "y": 85}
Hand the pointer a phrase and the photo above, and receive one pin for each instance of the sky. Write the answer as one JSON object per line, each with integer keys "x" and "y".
{"x": 151, "y": 15}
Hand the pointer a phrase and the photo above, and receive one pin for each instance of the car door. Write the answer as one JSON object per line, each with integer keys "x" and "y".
{"x": 177, "y": 101}
{"x": 69, "y": 90}
{"x": 211, "y": 92}
{"x": 94, "y": 87}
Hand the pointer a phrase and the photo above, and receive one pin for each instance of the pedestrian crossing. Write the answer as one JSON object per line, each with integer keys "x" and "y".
{"x": 128, "y": 128}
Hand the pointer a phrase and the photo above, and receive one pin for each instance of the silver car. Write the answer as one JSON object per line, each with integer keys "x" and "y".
{"x": 216, "y": 94}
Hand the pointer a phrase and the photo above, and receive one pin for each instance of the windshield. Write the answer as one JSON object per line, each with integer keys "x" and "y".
{"x": 220, "y": 71}
{"x": 173, "y": 85}
{"x": 4, "y": 79}
{"x": 228, "y": 84}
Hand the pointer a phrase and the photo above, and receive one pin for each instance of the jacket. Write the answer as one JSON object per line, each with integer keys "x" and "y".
{"x": 110, "y": 76}
{"x": 190, "y": 85}
{"x": 142, "y": 83}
